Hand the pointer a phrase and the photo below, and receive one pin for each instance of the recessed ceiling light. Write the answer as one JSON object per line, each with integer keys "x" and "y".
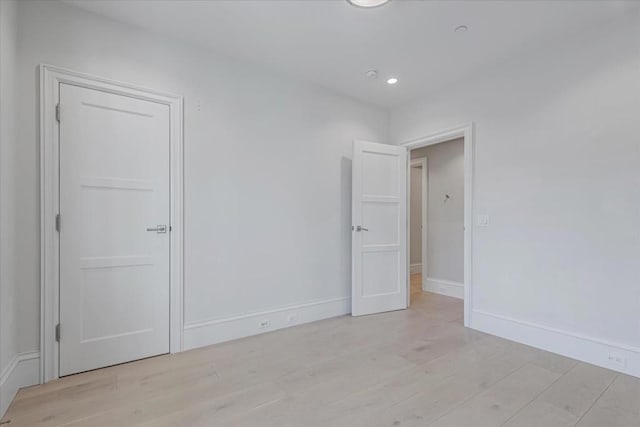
{"x": 461, "y": 29}
{"x": 367, "y": 3}
{"x": 392, "y": 80}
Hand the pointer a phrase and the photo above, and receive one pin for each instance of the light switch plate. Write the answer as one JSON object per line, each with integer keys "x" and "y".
{"x": 483, "y": 220}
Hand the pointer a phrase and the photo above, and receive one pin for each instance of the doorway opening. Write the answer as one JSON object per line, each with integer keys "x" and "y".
{"x": 436, "y": 230}
{"x": 439, "y": 223}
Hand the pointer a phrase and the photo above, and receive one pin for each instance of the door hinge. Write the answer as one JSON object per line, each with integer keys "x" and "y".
{"x": 58, "y": 113}
{"x": 58, "y": 223}
{"x": 58, "y": 332}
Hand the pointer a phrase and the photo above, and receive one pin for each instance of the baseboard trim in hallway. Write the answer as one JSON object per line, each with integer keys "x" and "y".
{"x": 444, "y": 287}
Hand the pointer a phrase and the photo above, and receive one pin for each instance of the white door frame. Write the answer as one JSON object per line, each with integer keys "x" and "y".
{"x": 424, "y": 165}
{"x": 463, "y": 131}
{"x": 50, "y": 79}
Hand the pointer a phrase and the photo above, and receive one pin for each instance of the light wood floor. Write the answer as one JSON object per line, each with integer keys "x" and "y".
{"x": 418, "y": 367}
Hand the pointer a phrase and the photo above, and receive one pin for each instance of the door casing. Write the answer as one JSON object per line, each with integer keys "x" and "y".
{"x": 50, "y": 79}
{"x": 465, "y": 131}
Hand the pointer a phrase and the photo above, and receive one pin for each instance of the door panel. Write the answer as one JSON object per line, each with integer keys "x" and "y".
{"x": 379, "y": 260}
{"x": 114, "y": 185}
{"x": 377, "y": 216}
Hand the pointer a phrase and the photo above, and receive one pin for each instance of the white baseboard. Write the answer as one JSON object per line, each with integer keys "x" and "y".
{"x": 615, "y": 356}
{"x": 219, "y": 330}
{"x": 444, "y": 287}
{"x": 415, "y": 268}
{"x": 23, "y": 371}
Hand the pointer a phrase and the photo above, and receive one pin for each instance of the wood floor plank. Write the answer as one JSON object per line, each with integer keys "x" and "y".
{"x": 619, "y": 405}
{"x": 447, "y": 392}
{"x": 497, "y": 404}
{"x": 542, "y": 414}
{"x": 567, "y": 399}
{"x": 579, "y": 388}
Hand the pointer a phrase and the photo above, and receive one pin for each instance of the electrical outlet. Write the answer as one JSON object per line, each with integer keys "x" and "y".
{"x": 619, "y": 361}
{"x": 264, "y": 324}
{"x": 292, "y": 318}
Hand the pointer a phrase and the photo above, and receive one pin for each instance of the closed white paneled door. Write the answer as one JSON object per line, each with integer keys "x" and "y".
{"x": 114, "y": 228}
{"x": 379, "y": 217}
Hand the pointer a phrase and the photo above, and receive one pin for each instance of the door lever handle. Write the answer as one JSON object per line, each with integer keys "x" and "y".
{"x": 158, "y": 229}
{"x": 361, "y": 228}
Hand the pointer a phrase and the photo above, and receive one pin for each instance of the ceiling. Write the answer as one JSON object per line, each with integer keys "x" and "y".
{"x": 333, "y": 44}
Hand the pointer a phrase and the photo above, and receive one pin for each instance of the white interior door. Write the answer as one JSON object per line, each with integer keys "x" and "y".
{"x": 114, "y": 251}
{"x": 379, "y": 217}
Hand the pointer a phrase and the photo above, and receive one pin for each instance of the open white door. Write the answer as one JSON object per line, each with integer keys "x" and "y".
{"x": 379, "y": 218}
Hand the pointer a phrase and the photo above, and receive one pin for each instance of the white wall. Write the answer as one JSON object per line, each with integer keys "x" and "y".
{"x": 8, "y": 299}
{"x": 557, "y": 155}
{"x": 267, "y": 169}
{"x": 445, "y": 219}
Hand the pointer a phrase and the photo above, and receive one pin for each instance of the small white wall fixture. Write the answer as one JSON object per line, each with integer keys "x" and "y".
{"x": 50, "y": 79}
{"x": 463, "y": 131}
